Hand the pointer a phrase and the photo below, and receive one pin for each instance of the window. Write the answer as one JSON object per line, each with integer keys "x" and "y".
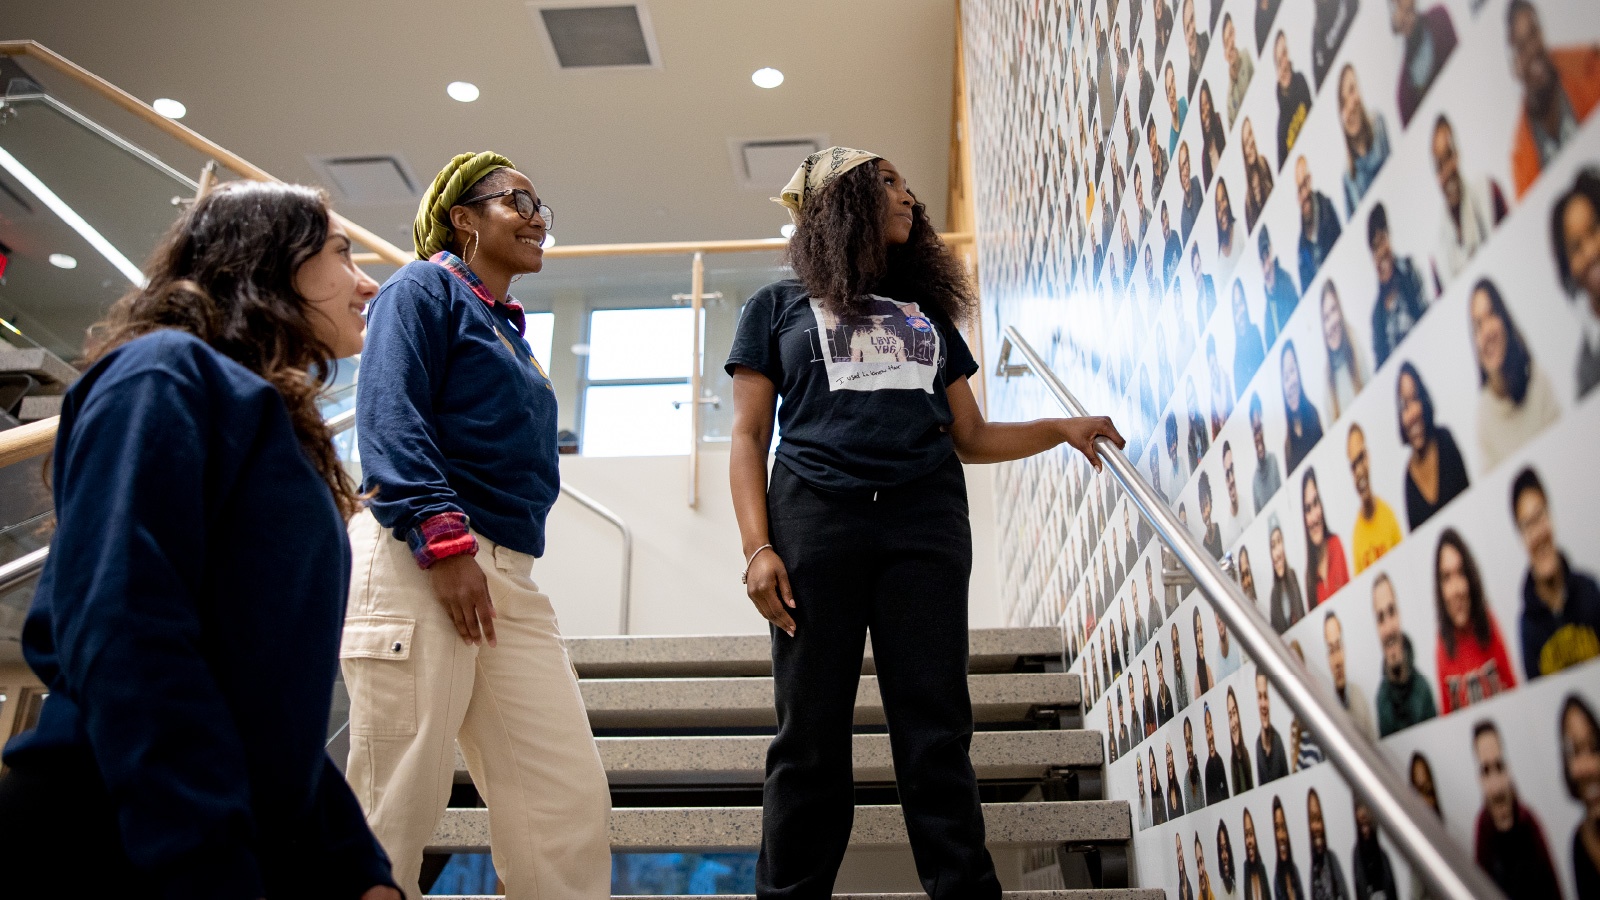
{"x": 637, "y": 368}
{"x": 540, "y": 332}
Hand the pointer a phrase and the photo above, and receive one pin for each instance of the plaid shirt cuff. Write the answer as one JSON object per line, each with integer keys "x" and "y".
{"x": 442, "y": 536}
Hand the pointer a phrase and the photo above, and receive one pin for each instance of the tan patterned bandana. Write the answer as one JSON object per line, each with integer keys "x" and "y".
{"x": 816, "y": 173}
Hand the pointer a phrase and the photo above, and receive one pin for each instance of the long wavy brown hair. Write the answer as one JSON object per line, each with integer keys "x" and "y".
{"x": 839, "y": 253}
{"x": 225, "y": 274}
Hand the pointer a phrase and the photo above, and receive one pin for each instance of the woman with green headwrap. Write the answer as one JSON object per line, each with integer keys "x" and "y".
{"x": 447, "y": 638}
{"x": 863, "y": 525}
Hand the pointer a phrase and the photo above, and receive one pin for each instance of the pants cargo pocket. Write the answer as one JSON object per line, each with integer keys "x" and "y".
{"x": 375, "y": 655}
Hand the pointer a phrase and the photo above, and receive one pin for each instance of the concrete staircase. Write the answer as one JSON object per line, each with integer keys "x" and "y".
{"x": 683, "y": 725}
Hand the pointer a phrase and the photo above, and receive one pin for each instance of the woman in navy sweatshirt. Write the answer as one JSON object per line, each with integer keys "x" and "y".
{"x": 187, "y": 623}
{"x": 448, "y": 638}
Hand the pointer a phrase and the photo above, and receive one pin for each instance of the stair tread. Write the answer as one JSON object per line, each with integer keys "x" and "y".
{"x": 647, "y": 702}
{"x": 40, "y": 406}
{"x": 643, "y": 830}
{"x": 40, "y": 363}
{"x": 988, "y": 650}
{"x": 742, "y": 759}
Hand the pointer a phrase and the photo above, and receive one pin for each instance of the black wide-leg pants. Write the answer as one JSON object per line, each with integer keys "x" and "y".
{"x": 896, "y": 563}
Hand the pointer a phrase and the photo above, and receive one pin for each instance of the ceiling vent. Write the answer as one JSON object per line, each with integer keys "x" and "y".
{"x": 586, "y": 36}
{"x": 767, "y": 164}
{"x": 367, "y": 180}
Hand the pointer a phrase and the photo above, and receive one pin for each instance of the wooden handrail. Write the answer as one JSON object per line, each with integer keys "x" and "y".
{"x": 27, "y": 441}
{"x": 669, "y": 248}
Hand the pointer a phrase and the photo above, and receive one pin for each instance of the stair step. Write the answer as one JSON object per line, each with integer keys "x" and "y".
{"x": 728, "y": 702}
{"x": 41, "y": 406}
{"x": 1092, "y": 894}
{"x": 41, "y": 364}
{"x": 722, "y": 828}
{"x": 988, "y": 650}
{"x": 996, "y": 755}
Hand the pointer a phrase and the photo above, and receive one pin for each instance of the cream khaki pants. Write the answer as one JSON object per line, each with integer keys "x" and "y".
{"x": 416, "y": 689}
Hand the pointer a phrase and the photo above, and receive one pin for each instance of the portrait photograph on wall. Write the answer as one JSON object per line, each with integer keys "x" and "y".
{"x": 1334, "y": 269}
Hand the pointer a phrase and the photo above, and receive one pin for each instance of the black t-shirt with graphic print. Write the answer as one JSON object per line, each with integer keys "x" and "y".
{"x": 863, "y": 397}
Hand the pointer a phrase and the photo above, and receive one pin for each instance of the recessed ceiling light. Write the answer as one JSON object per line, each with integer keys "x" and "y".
{"x": 787, "y": 231}
{"x": 63, "y": 261}
{"x": 465, "y": 91}
{"x": 767, "y": 78}
{"x": 170, "y": 108}
{"x": 548, "y": 242}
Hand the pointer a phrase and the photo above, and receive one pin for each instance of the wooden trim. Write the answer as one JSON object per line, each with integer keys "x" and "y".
{"x": 685, "y": 248}
{"x": 697, "y": 291}
{"x": 27, "y": 441}
{"x": 963, "y": 209}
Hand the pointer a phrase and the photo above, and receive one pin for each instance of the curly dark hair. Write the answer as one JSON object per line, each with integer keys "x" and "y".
{"x": 838, "y": 252}
{"x": 225, "y": 274}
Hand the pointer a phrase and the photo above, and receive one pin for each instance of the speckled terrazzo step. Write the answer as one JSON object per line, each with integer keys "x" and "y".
{"x": 742, "y": 759}
{"x": 988, "y": 650}
{"x": 717, "y": 828}
{"x": 1095, "y": 894}
{"x": 722, "y": 702}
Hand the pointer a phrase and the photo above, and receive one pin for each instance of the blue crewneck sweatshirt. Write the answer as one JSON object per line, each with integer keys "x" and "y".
{"x": 187, "y": 626}
{"x": 452, "y": 413}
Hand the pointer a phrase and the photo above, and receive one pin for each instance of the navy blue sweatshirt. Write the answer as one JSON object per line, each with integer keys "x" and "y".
{"x": 452, "y": 413}
{"x": 187, "y": 626}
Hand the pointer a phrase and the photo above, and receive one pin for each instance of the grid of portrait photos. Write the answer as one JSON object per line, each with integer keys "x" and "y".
{"x": 1333, "y": 267}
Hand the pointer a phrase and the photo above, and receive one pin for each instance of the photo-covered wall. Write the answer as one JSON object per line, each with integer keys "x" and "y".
{"x": 1333, "y": 267}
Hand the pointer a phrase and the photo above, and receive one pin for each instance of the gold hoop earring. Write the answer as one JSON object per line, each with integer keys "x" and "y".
{"x": 474, "y": 250}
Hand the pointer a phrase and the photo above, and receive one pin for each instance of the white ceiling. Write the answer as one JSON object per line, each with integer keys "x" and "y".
{"x": 622, "y": 156}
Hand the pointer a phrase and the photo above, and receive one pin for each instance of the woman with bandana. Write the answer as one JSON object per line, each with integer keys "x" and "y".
{"x": 864, "y": 523}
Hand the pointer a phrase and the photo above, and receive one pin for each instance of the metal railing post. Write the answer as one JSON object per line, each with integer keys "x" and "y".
{"x": 625, "y": 613}
{"x": 1448, "y": 869}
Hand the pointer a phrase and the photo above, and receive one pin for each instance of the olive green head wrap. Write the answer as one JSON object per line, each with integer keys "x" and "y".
{"x": 432, "y": 230}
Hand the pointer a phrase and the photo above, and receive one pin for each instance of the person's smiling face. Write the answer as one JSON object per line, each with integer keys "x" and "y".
{"x": 1580, "y": 233}
{"x": 1580, "y": 750}
{"x": 1455, "y": 587}
{"x": 336, "y": 292}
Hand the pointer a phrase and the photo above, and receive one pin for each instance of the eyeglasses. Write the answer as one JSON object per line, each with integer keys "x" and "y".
{"x": 525, "y": 204}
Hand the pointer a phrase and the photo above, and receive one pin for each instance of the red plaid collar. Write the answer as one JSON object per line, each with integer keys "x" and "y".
{"x": 455, "y": 266}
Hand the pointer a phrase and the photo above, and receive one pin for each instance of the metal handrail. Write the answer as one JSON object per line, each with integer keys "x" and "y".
{"x": 22, "y": 568}
{"x": 625, "y": 613}
{"x": 1449, "y": 871}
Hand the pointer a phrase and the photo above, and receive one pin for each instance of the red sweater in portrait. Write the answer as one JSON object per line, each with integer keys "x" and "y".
{"x": 1338, "y": 571}
{"x": 1475, "y": 671}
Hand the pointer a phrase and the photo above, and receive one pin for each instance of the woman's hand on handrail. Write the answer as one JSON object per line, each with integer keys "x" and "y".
{"x": 1082, "y": 432}
{"x": 980, "y": 441}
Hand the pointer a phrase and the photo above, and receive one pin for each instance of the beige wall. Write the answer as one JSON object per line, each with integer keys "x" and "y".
{"x": 686, "y": 561}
